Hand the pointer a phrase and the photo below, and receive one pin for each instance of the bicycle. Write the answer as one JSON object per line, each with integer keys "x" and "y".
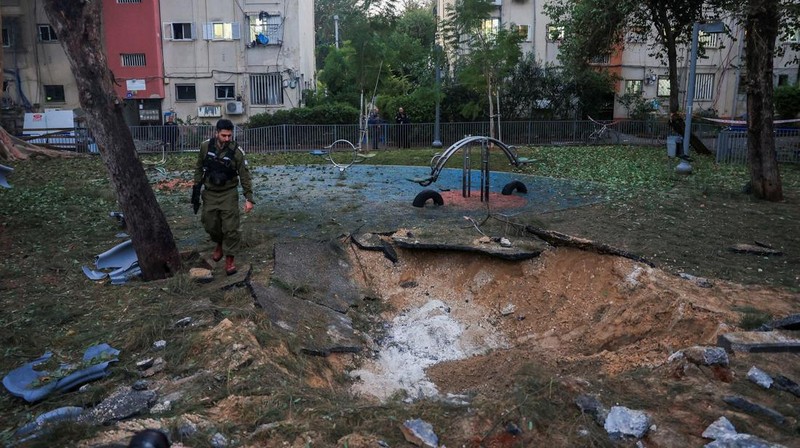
{"x": 603, "y": 135}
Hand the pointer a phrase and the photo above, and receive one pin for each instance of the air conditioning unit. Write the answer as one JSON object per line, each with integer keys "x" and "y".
{"x": 234, "y": 108}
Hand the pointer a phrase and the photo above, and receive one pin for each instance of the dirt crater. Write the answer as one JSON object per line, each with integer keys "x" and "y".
{"x": 577, "y": 311}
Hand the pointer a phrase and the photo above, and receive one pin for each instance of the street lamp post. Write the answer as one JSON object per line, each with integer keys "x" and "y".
{"x": 336, "y": 29}
{"x": 437, "y": 139}
{"x": 684, "y": 167}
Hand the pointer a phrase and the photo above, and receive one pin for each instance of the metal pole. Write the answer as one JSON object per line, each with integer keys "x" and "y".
{"x": 684, "y": 167}
{"x": 437, "y": 139}
{"x": 336, "y": 29}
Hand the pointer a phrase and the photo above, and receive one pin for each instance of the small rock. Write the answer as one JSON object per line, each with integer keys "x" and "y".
{"x": 159, "y": 345}
{"x": 699, "y": 281}
{"x": 484, "y": 240}
{"x": 508, "y": 309}
{"x": 185, "y": 322}
{"x": 219, "y": 441}
{"x": 420, "y": 433}
{"x": 622, "y": 422}
{"x": 145, "y": 363}
{"x": 140, "y": 385}
{"x": 201, "y": 275}
{"x": 722, "y": 427}
{"x": 505, "y": 242}
{"x": 759, "y": 377}
{"x": 160, "y": 408}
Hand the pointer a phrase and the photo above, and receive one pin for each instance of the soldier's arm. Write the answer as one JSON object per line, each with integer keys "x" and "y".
{"x": 245, "y": 178}
{"x": 198, "y": 167}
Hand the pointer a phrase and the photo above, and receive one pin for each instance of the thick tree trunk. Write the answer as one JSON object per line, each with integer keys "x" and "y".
{"x": 78, "y": 25}
{"x": 761, "y": 30}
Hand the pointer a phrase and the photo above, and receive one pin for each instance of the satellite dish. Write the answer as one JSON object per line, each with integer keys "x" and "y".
{"x": 262, "y": 39}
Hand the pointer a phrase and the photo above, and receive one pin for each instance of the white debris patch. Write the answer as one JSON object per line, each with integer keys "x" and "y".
{"x": 417, "y": 339}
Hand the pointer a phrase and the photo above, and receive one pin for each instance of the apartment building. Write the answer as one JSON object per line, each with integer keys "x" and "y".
{"x": 718, "y": 75}
{"x": 198, "y": 59}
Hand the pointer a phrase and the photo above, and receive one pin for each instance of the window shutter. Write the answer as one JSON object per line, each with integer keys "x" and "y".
{"x": 193, "y": 31}
{"x": 208, "y": 31}
{"x": 166, "y": 31}
{"x": 236, "y": 32}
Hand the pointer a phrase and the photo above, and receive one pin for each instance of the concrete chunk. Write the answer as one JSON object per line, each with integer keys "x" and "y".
{"x": 760, "y": 342}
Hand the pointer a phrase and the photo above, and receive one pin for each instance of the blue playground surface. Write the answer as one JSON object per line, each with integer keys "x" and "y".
{"x": 379, "y": 198}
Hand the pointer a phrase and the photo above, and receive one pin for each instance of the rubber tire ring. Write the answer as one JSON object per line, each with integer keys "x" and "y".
{"x": 515, "y": 185}
{"x": 424, "y": 195}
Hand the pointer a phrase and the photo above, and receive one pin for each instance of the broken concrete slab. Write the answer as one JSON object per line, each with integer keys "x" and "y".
{"x": 321, "y": 330}
{"x": 522, "y": 249}
{"x": 368, "y": 241}
{"x": 791, "y": 322}
{"x": 754, "y": 408}
{"x": 317, "y": 271}
{"x": 760, "y": 341}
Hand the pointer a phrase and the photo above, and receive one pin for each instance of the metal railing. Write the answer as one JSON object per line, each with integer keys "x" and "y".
{"x": 729, "y": 143}
{"x": 732, "y": 145}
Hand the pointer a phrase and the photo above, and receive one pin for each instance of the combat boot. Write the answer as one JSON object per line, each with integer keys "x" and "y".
{"x": 217, "y": 255}
{"x": 230, "y": 268}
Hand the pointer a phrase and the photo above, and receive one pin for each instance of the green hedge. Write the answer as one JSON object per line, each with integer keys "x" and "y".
{"x": 334, "y": 113}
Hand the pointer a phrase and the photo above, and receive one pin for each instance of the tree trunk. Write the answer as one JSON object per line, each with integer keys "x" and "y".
{"x": 761, "y": 30}
{"x": 78, "y": 25}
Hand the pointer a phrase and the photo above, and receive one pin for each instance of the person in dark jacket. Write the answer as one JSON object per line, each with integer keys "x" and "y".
{"x": 221, "y": 167}
{"x": 374, "y": 121}
{"x": 171, "y": 133}
{"x": 403, "y": 128}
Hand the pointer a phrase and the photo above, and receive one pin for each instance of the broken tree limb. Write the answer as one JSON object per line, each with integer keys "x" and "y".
{"x": 754, "y": 249}
{"x": 561, "y": 239}
{"x": 13, "y": 148}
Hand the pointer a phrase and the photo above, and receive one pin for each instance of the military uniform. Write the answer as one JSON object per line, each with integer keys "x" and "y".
{"x": 220, "y": 170}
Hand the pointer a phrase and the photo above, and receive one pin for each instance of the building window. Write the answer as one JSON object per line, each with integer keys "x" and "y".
{"x": 266, "y": 89}
{"x": 633, "y": 86}
{"x": 47, "y": 33}
{"x": 708, "y": 40}
{"x": 600, "y": 60}
{"x": 6, "y": 37}
{"x": 133, "y": 60}
{"x": 266, "y": 29}
{"x": 225, "y": 91}
{"x": 185, "y": 92}
{"x": 221, "y": 31}
{"x": 704, "y": 86}
{"x": 490, "y": 26}
{"x": 524, "y": 32}
{"x": 663, "y": 89}
{"x": 555, "y": 33}
{"x": 783, "y": 80}
{"x": 129, "y": 1}
{"x": 54, "y": 94}
{"x": 179, "y": 31}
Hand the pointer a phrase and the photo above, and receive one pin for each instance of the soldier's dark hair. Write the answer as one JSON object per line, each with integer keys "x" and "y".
{"x": 224, "y": 125}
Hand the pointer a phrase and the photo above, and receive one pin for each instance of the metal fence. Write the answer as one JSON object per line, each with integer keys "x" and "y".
{"x": 288, "y": 138}
{"x": 729, "y": 143}
{"x": 732, "y": 145}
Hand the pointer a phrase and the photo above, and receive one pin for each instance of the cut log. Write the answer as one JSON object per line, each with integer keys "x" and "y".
{"x": 561, "y": 239}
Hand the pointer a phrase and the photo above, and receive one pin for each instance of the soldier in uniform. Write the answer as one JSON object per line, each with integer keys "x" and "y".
{"x": 221, "y": 166}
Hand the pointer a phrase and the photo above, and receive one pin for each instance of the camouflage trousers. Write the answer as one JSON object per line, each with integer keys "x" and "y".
{"x": 220, "y": 218}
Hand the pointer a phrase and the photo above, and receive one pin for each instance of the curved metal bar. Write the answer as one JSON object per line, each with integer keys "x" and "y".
{"x": 342, "y": 166}
{"x": 436, "y": 168}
